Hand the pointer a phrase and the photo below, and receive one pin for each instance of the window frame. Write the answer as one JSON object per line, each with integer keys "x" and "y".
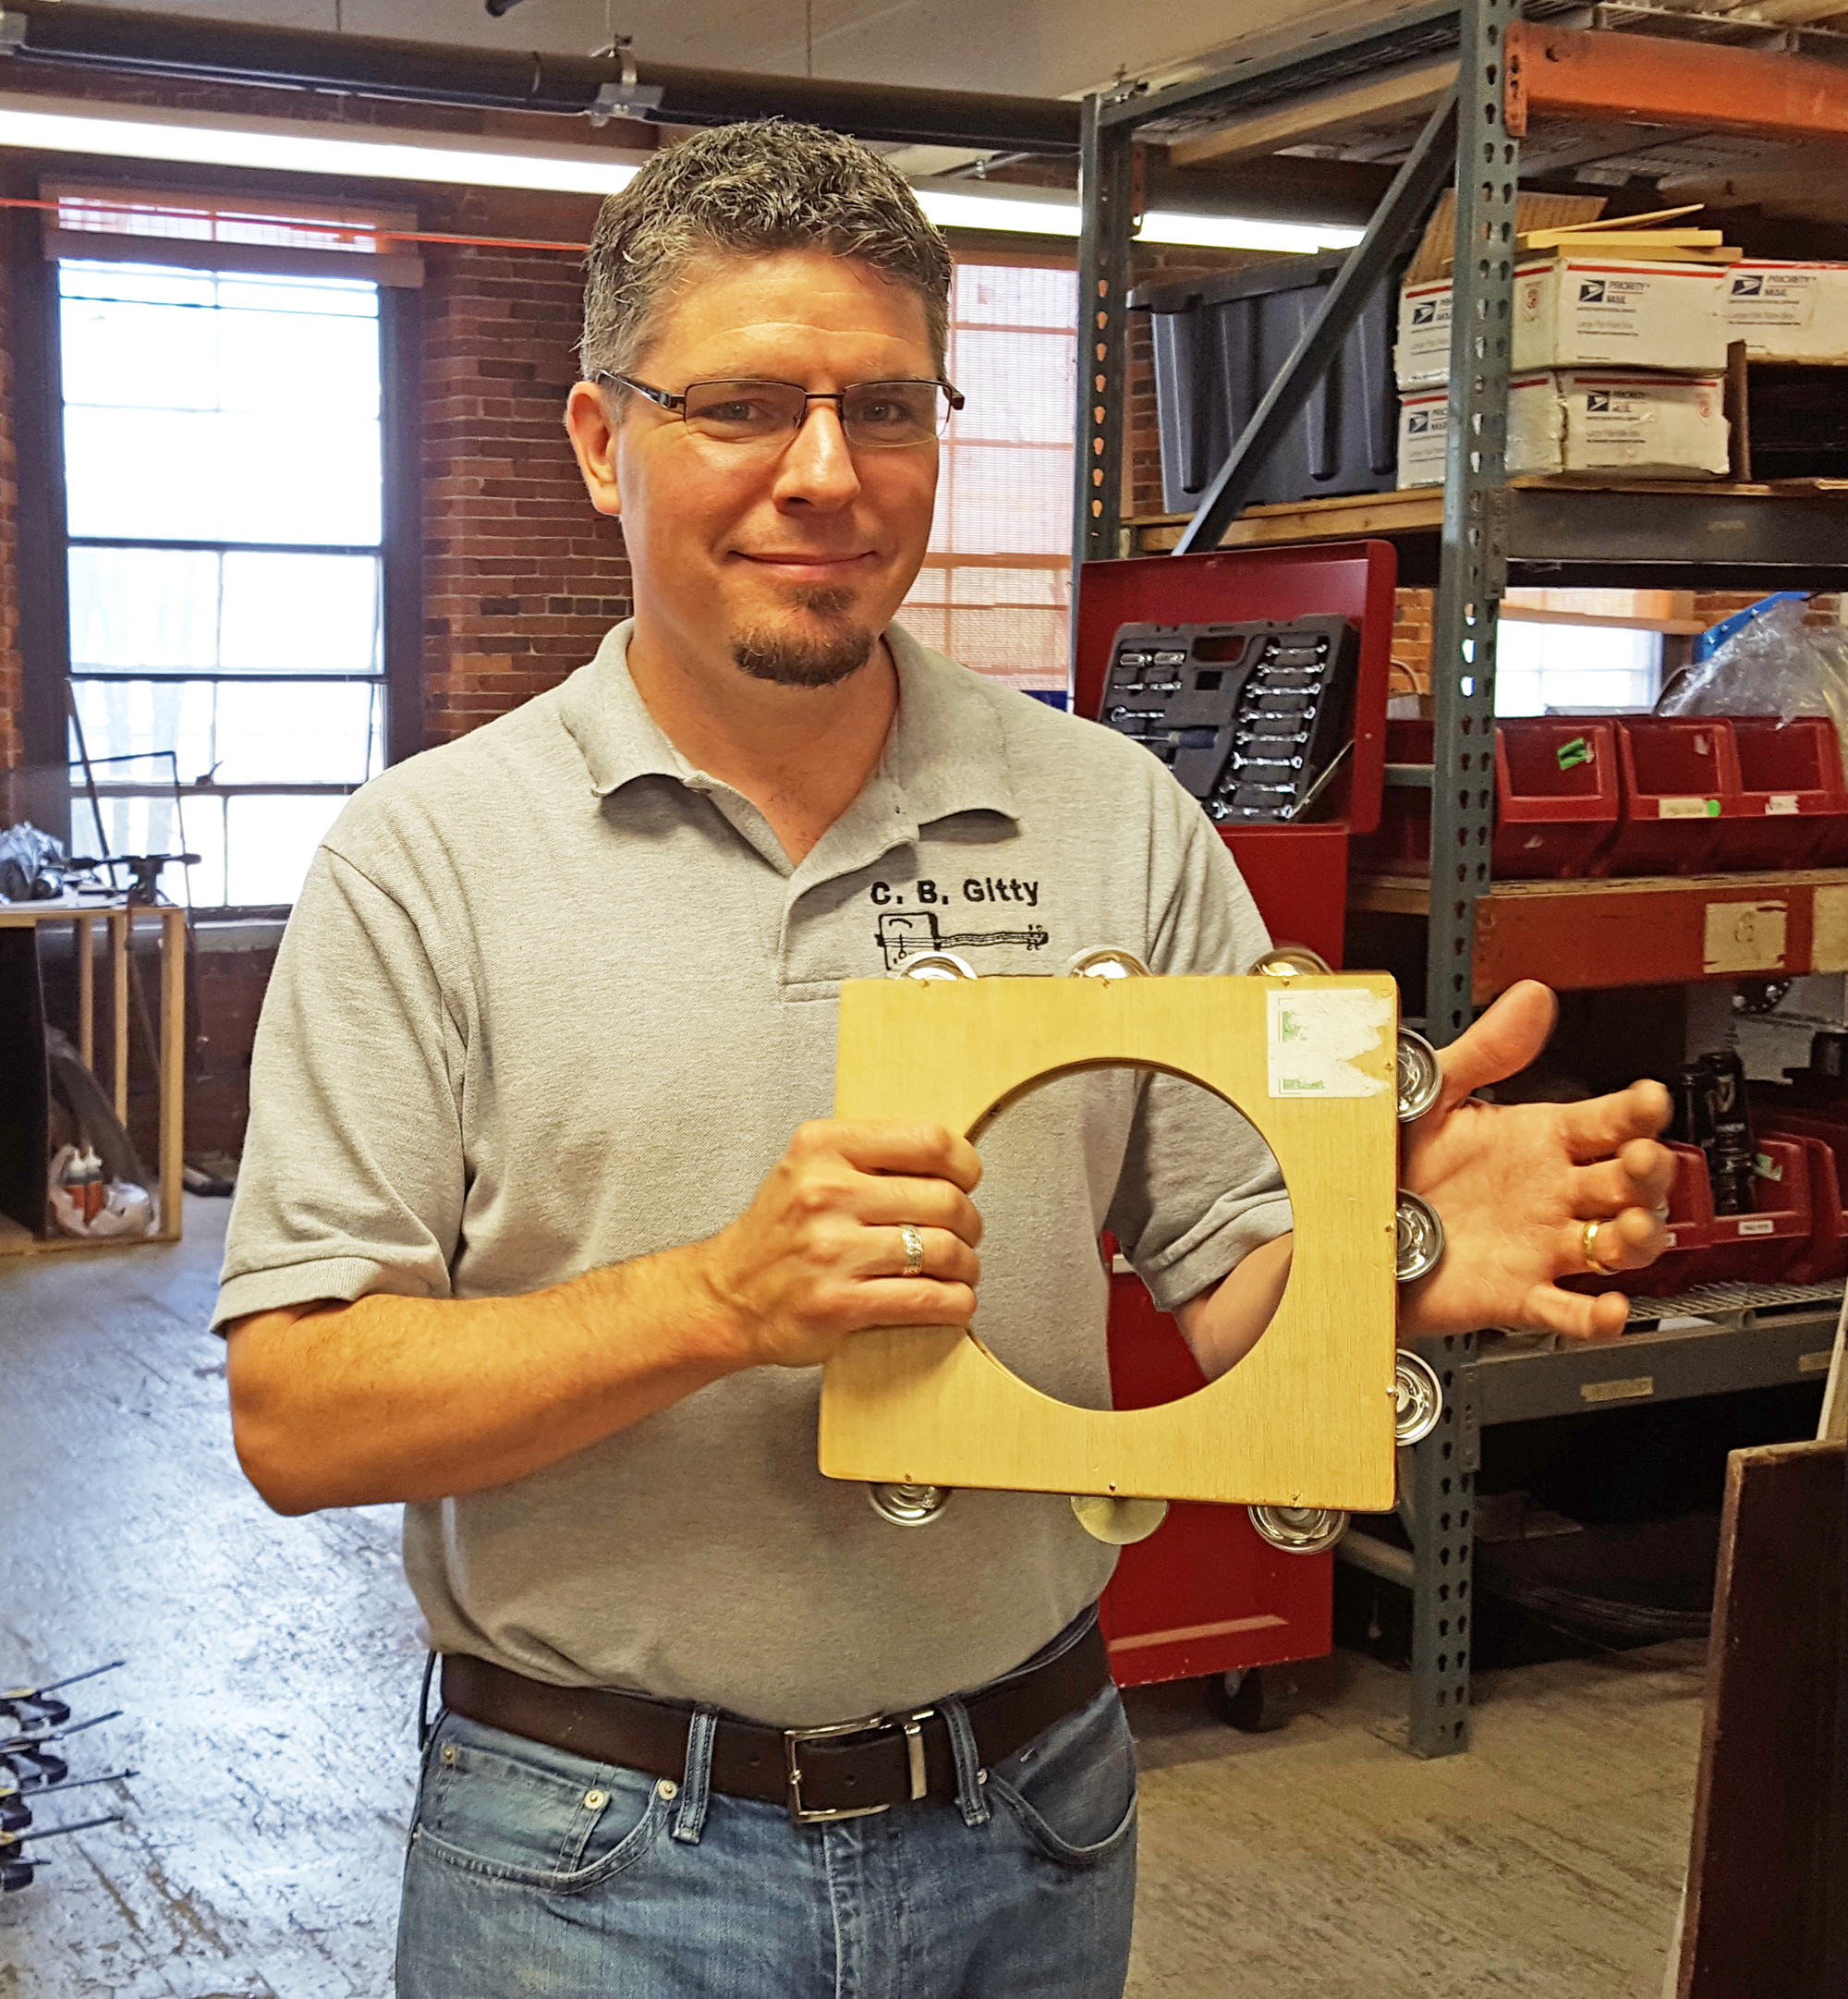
{"x": 45, "y": 541}
{"x": 969, "y": 249}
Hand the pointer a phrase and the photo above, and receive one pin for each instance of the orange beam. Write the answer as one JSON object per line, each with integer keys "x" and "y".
{"x": 1650, "y": 80}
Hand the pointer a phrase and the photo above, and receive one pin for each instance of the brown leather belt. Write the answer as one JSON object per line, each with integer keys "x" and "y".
{"x": 840, "y": 1772}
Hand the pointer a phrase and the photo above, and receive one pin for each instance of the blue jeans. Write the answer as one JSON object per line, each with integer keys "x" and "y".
{"x": 535, "y": 1872}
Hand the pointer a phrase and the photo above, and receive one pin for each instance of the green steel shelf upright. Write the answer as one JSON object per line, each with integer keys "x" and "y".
{"x": 1717, "y": 536}
{"x": 1464, "y": 143}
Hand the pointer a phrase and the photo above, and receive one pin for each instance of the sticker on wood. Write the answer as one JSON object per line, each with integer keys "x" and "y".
{"x": 1306, "y": 1419}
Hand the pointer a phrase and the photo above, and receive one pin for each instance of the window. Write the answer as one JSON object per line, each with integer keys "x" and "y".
{"x": 995, "y": 589}
{"x": 222, "y": 474}
{"x": 1538, "y": 667}
{"x": 1555, "y": 651}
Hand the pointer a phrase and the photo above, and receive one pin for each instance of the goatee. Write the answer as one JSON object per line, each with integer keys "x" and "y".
{"x": 807, "y": 659}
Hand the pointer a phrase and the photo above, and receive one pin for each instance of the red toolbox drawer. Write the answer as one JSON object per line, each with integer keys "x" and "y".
{"x": 1203, "y": 1593}
{"x": 1793, "y": 803}
{"x": 1681, "y": 778}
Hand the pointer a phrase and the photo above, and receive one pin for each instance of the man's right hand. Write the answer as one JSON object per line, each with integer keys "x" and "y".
{"x": 819, "y": 1256}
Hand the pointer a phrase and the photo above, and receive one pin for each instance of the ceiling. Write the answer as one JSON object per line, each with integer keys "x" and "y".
{"x": 1030, "y": 48}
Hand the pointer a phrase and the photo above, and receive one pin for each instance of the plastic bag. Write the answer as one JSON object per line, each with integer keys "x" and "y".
{"x": 126, "y": 1210}
{"x": 32, "y": 864}
{"x": 1777, "y": 665}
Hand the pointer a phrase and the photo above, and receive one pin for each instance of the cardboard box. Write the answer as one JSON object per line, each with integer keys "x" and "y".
{"x": 1789, "y": 311}
{"x": 1614, "y": 421}
{"x": 1582, "y": 312}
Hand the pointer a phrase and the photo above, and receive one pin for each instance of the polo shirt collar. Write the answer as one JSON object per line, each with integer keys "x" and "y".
{"x": 946, "y": 753}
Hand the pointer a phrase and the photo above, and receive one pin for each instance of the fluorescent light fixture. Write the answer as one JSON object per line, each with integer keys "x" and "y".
{"x": 284, "y": 145}
{"x": 1234, "y": 232}
{"x": 963, "y": 204}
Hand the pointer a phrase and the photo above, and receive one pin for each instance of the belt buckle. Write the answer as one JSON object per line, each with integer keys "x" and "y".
{"x": 793, "y": 1740}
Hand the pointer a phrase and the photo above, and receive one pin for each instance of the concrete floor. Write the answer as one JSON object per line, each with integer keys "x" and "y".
{"x": 272, "y": 1668}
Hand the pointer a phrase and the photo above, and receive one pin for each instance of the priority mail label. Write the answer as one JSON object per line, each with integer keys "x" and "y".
{"x": 1772, "y": 295}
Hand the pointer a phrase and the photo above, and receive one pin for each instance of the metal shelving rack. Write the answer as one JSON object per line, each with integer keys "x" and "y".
{"x": 1509, "y": 69}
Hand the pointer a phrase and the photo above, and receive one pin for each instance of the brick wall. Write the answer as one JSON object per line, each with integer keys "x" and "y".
{"x": 229, "y": 996}
{"x": 1412, "y": 639}
{"x": 521, "y": 577}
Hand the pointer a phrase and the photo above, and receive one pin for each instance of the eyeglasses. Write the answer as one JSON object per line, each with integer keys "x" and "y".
{"x": 875, "y": 416}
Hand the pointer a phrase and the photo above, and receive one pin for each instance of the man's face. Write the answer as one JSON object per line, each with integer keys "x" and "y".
{"x": 787, "y": 564}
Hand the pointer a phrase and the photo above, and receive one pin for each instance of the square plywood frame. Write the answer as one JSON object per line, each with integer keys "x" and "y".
{"x": 1307, "y": 1417}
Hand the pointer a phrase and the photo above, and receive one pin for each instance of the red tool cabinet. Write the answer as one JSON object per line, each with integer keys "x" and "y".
{"x": 1203, "y": 1594}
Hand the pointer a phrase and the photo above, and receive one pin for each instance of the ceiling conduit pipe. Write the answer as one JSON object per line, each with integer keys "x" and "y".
{"x": 115, "y": 40}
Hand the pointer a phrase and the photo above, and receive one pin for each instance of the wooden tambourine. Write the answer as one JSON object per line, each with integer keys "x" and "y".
{"x": 1306, "y": 1419}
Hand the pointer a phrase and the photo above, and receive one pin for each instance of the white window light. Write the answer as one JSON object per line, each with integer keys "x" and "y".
{"x": 276, "y": 146}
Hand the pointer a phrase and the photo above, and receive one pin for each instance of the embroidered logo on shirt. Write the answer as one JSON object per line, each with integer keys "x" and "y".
{"x": 905, "y": 935}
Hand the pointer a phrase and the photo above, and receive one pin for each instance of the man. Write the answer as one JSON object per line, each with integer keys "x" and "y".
{"x": 523, "y": 1240}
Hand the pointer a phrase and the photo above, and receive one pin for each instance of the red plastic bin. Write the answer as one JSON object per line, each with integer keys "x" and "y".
{"x": 1552, "y": 817}
{"x": 1793, "y": 803}
{"x": 1681, "y": 781}
{"x": 1825, "y": 1138}
{"x": 1705, "y": 1248}
{"x": 1557, "y": 796}
{"x": 1761, "y": 1248}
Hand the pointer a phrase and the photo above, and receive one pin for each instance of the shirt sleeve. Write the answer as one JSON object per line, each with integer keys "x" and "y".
{"x": 1199, "y": 1187}
{"x": 353, "y": 1173}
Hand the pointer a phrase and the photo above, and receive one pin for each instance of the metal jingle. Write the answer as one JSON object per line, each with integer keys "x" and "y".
{"x": 1417, "y": 1399}
{"x": 908, "y": 1506}
{"x": 1106, "y": 961}
{"x": 933, "y": 965}
{"x": 1299, "y": 1530}
{"x": 1420, "y": 1076}
{"x": 1288, "y": 962}
{"x": 1118, "y": 1521}
{"x": 1418, "y": 1239}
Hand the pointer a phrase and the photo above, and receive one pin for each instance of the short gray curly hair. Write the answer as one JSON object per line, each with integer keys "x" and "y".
{"x": 753, "y": 188}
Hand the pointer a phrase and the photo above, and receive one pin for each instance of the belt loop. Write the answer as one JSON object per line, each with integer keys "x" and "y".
{"x": 689, "y": 1820}
{"x": 972, "y": 1798}
{"x": 423, "y": 1727}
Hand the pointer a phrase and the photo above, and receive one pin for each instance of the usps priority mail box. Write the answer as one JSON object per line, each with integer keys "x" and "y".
{"x": 1584, "y": 421}
{"x": 1574, "y": 312}
{"x": 1788, "y": 311}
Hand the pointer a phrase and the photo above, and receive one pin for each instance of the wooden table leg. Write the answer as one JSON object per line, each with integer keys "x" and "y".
{"x": 172, "y": 1069}
{"x": 86, "y": 993}
{"x": 119, "y": 966}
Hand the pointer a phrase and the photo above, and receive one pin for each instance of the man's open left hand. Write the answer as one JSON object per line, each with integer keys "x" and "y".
{"x": 1515, "y": 1185}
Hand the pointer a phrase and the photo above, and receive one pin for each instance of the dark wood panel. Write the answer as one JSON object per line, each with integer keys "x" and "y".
{"x": 1768, "y": 1785}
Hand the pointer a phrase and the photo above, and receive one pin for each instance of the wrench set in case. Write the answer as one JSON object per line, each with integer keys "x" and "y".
{"x": 1251, "y": 718}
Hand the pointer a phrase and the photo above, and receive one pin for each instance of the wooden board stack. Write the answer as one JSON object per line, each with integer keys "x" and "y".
{"x": 1630, "y": 237}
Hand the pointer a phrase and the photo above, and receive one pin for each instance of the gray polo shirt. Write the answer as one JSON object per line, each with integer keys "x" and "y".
{"x": 552, "y": 999}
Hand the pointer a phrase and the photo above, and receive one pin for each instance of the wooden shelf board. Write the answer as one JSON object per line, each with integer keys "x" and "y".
{"x": 18, "y": 1241}
{"x": 1641, "y": 930}
{"x": 1419, "y": 509}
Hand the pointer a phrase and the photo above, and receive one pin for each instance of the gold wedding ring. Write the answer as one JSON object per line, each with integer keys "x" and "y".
{"x": 1588, "y": 1247}
{"x": 914, "y": 1249}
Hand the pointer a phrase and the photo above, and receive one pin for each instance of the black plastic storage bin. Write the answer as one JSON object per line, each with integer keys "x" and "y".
{"x": 1220, "y": 343}
{"x": 1799, "y": 420}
